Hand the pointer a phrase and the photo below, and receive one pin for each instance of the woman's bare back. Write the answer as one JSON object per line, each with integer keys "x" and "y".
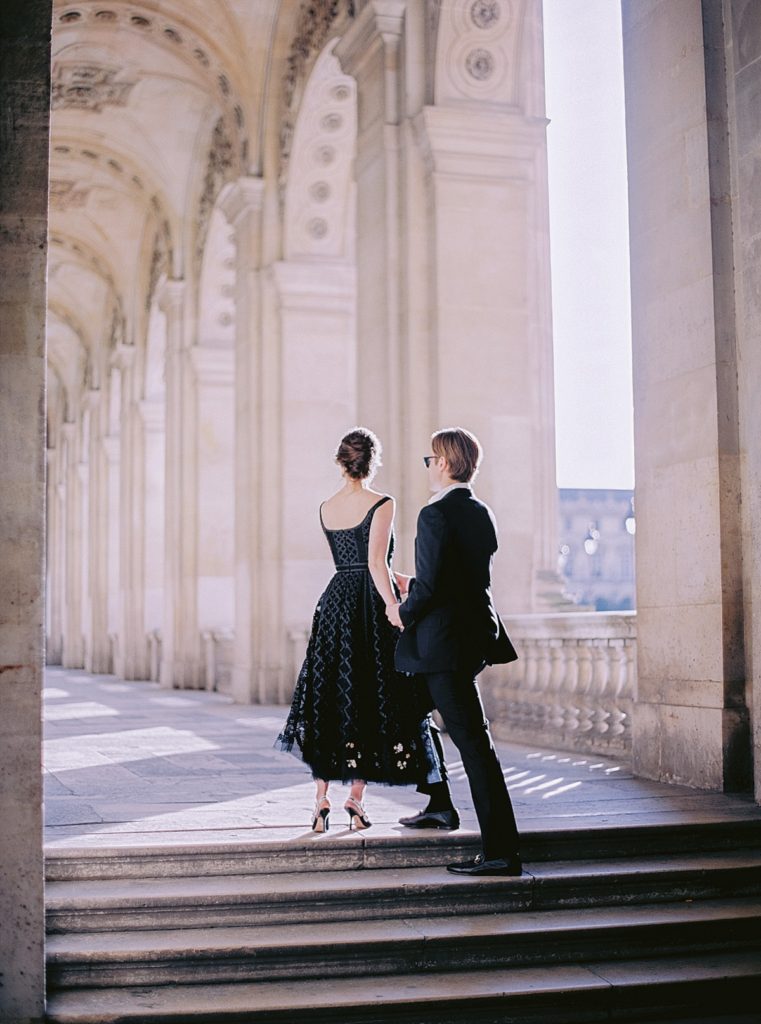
{"x": 346, "y": 509}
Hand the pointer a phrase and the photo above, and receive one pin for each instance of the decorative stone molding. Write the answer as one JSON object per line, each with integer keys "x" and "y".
{"x": 222, "y": 166}
{"x": 573, "y": 685}
{"x": 315, "y": 287}
{"x": 153, "y": 415}
{"x": 213, "y": 367}
{"x": 88, "y": 87}
{"x": 317, "y": 18}
{"x": 171, "y": 296}
{"x": 479, "y": 51}
{"x": 242, "y": 196}
{"x": 318, "y": 188}
{"x": 67, "y": 195}
{"x": 482, "y": 144}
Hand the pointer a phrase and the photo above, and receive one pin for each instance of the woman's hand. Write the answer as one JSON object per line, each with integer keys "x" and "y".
{"x": 403, "y": 582}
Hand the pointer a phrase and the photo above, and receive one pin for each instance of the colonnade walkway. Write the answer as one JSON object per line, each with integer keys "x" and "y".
{"x": 130, "y": 763}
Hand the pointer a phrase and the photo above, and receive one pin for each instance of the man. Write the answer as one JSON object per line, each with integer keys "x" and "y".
{"x": 450, "y": 632}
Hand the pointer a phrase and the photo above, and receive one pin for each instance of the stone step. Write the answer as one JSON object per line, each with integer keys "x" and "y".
{"x": 367, "y": 948}
{"x": 349, "y": 851}
{"x": 707, "y": 988}
{"x": 254, "y": 900}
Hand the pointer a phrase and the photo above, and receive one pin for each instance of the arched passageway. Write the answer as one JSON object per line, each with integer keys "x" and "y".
{"x": 404, "y": 278}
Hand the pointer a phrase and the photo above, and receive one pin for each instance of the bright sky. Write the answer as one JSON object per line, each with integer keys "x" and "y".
{"x": 589, "y": 238}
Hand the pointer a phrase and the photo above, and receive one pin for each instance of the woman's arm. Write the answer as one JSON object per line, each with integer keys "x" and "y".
{"x": 377, "y": 554}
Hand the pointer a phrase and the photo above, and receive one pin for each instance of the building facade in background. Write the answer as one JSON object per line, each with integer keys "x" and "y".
{"x": 597, "y": 547}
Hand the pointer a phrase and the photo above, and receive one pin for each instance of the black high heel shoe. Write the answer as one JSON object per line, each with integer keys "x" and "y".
{"x": 358, "y": 818}
{"x": 321, "y": 815}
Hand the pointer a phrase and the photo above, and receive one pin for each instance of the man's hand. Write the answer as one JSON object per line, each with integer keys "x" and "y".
{"x": 392, "y": 614}
{"x": 403, "y": 582}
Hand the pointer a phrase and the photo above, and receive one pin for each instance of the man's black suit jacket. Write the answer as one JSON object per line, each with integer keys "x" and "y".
{"x": 449, "y": 618}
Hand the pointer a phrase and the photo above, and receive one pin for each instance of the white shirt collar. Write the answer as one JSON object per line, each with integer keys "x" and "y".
{"x": 442, "y": 494}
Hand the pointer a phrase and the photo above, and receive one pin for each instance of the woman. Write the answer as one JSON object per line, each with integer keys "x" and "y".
{"x": 353, "y": 717}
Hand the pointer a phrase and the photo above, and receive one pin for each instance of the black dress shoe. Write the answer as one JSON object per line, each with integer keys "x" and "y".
{"x": 480, "y": 866}
{"x": 433, "y": 819}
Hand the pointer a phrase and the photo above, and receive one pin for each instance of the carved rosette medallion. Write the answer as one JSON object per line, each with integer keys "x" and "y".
{"x": 478, "y": 50}
{"x": 317, "y": 18}
{"x": 480, "y": 64}
{"x": 484, "y": 13}
{"x": 318, "y": 183}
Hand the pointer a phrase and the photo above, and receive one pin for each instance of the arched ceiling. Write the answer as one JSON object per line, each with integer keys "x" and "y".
{"x": 154, "y": 104}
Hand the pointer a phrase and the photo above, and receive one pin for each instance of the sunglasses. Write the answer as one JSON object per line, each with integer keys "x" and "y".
{"x": 428, "y": 459}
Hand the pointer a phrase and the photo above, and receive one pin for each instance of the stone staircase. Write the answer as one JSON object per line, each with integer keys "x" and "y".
{"x": 652, "y": 922}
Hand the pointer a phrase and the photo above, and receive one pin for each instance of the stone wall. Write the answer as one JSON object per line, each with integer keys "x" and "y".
{"x": 690, "y": 722}
{"x": 742, "y": 48}
{"x": 25, "y": 88}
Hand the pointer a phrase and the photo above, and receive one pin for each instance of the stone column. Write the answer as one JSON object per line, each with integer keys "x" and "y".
{"x": 317, "y": 340}
{"x": 213, "y": 374}
{"x": 690, "y": 723}
{"x": 152, "y": 414}
{"x": 241, "y": 203}
{"x": 372, "y": 52}
{"x": 98, "y": 648}
{"x": 132, "y": 662}
{"x": 24, "y": 140}
{"x": 55, "y": 552}
{"x": 454, "y": 321}
{"x": 493, "y": 340}
{"x": 83, "y": 480}
{"x": 72, "y": 656}
{"x": 180, "y": 656}
{"x": 733, "y": 80}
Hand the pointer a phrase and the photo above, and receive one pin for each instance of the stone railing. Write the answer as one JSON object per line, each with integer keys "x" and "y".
{"x": 572, "y": 686}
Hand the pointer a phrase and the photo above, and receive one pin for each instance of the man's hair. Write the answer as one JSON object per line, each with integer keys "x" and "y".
{"x": 461, "y": 449}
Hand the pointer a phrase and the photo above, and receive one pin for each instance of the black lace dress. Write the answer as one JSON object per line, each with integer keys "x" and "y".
{"x": 353, "y": 715}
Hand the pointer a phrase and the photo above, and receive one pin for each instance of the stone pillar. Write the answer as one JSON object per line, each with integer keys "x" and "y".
{"x": 152, "y": 480}
{"x": 317, "y": 341}
{"x": 690, "y": 722}
{"x": 180, "y": 656}
{"x": 371, "y": 51}
{"x": 24, "y": 139}
{"x": 72, "y": 655}
{"x": 213, "y": 373}
{"x": 733, "y": 71}
{"x": 55, "y": 554}
{"x": 241, "y": 202}
{"x": 493, "y": 371}
{"x": 454, "y": 312}
{"x": 132, "y": 661}
{"x": 83, "y": 480}
{"x": 97, "y": 649}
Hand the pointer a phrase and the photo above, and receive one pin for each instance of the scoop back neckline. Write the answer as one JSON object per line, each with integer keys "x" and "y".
{"x": 345, "y": 529}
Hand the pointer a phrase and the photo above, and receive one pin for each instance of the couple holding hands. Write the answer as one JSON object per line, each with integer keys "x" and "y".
{"x": 386, "y": 649}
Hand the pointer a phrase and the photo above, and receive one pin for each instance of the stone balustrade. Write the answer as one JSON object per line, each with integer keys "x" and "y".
{"x": 572, "y": 686}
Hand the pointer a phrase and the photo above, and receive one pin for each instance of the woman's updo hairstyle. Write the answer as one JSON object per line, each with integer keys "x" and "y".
{"x": 359, "y": 454}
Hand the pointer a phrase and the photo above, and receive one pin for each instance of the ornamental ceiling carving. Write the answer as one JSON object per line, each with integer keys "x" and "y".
{"x": 88, "y": 87}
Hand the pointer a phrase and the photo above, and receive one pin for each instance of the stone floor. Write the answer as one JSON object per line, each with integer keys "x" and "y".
{"x": 131, "y": 763}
